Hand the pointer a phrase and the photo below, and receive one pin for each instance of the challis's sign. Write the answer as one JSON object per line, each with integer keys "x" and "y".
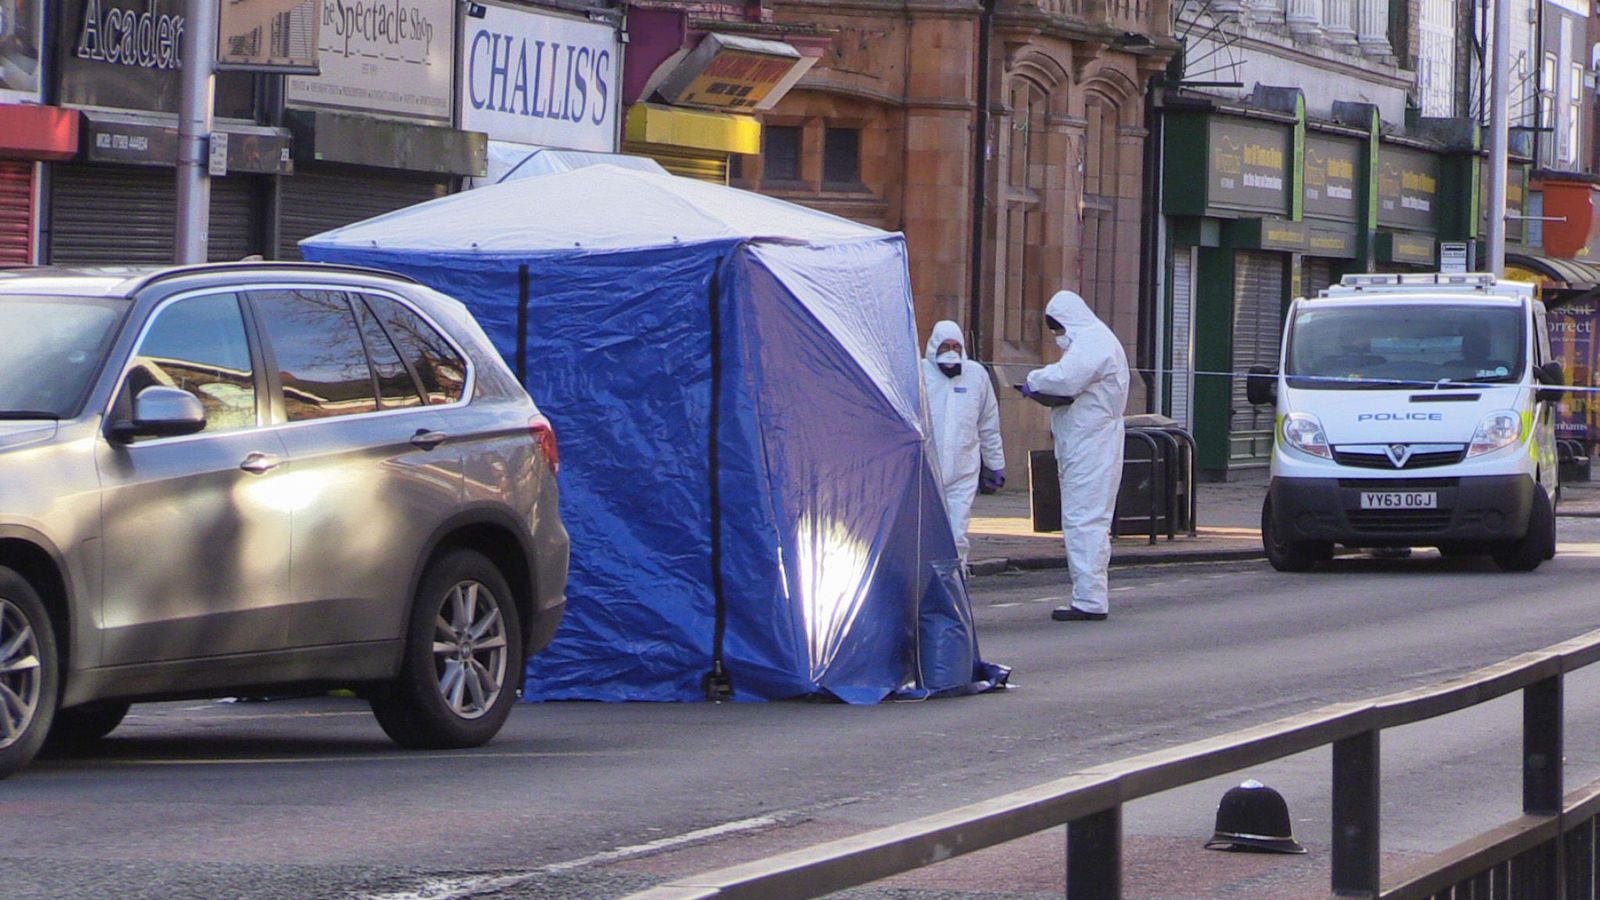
{"x": 533, "y": 78}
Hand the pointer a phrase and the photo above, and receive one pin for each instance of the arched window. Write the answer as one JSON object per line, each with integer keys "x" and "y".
{"x": 1101, "y": 174}
{"x": 1026, "y": 169}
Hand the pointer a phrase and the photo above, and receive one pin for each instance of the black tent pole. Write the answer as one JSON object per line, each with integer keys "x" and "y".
{"x": 522, "y": 325}
{"x": 717, "y": 683}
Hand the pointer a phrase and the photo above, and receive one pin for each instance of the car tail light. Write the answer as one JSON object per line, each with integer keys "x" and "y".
{"x": 545, "y": 435}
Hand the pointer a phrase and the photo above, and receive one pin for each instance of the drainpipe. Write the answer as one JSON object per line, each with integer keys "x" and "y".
{"x": 1152, "y": 252}
{"x": 980, "y": 179}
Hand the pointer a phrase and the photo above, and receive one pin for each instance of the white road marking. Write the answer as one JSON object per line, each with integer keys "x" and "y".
{"x": 240, "y": 717}
{"x": 470, "y": 886}
{"x": 304, "y": 760}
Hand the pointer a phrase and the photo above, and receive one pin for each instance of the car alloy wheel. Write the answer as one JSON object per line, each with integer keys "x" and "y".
{"x": 21, "y": 673}
{"x": 469, "y": 649}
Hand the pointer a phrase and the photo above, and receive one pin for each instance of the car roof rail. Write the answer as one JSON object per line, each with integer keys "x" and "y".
{"x": 261, "y": 265}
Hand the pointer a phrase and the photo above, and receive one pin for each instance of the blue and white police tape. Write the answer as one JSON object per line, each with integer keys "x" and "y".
{"x": 1363, "y": 381}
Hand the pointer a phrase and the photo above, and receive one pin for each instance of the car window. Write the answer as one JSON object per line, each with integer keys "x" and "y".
{"x": 1541, "y": 346}
{"x": 1403, "y": 346}
{"x": 198, "y": 344}
{"x": 320, "y": 358}
{"x": 441, "y": 370}
{"x": 396, "y": 388}
{"x": 48, "y": 374}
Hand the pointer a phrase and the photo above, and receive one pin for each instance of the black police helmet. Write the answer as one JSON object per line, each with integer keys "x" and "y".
{"x": 1253, "y": 817}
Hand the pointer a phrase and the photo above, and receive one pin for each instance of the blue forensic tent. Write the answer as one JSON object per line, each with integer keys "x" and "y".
{"x": 746, "y": 472}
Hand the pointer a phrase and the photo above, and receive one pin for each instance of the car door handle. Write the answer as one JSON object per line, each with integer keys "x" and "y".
{"x": 428, "y": 440}
{"x": 260, "y": 463}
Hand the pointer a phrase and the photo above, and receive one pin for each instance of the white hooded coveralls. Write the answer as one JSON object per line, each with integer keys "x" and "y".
{"x": 1094, "y": 370}
{"x": 966, "y": 428}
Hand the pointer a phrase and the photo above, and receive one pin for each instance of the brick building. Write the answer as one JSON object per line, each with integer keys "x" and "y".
{"x": 883, "y": 129}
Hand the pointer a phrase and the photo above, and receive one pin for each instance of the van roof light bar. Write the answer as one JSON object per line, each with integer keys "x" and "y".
{"x": 1461, "y": 279}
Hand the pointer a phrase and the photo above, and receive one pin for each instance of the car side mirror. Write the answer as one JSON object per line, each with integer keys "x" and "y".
{"x": 1554, "y": 379}
{"x": 162, "y": 412}
{"x": 1261, "y": 386}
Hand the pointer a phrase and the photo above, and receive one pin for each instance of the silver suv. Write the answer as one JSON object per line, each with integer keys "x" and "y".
{"x": 244, "y": 477}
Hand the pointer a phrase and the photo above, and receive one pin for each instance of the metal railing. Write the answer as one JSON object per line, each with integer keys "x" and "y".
{"x": 1548, "y": 853}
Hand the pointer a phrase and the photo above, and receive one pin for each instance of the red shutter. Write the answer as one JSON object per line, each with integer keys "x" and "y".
{"x": 16, "y": 213}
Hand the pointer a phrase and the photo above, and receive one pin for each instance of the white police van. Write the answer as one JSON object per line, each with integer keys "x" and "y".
{"x": 1413, "y": 411}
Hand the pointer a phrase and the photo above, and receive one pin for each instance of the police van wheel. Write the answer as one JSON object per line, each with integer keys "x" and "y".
{"x": 1538, "y": 545}
{"x": 1286, "y": 555}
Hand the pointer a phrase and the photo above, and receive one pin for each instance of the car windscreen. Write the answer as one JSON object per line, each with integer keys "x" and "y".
{"x": 50, "y": 351}
{"x": 1404, "y": 346}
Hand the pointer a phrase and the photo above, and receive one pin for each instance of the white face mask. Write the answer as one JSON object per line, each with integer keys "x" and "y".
{"x": 948, "y": 358}
{"x": 1063, "y": 342}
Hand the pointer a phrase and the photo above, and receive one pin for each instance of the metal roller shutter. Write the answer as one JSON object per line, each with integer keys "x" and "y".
{"x": 16, "y": 213}
{"x": 1316, "y": 275}
{"x": 312, "y": 202}
{"x": 712, "y": 167}
{"x": 118, "y": 215}
{"x": 1258, "y": 283}
{"x": 1182, "y": 335}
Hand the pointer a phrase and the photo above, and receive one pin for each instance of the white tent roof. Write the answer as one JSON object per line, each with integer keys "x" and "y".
{"x": 509, "y": 162}
{"x": 592, "y": 208}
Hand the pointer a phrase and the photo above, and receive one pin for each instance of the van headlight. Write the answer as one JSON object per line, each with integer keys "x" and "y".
{"x": 1497, "y": 430}
{"x": 1303, "y": 432}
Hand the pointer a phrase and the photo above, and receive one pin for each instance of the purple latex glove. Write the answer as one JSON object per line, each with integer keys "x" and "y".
{"x": 994, "y": 480}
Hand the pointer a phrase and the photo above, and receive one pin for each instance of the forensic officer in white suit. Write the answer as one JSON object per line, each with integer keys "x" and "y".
{"x": 966, "y": 425}
{"x": 1093, "y": 371}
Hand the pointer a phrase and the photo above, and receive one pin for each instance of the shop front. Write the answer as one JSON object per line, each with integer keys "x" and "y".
{"x": 1236, "y": 236}
{"x": 1332, "y": 194}
{"x": 375, "y": 131}
{"x": 115, "y": 201}
{"x": 29, "y": 133}
{"x": 29, "y": 136}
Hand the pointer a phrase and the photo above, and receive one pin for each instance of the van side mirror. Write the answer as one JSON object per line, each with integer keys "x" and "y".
{"x": 1261, "y": 386}
{"x": 1550, "y": 374}
{"x": 162, "y": 412}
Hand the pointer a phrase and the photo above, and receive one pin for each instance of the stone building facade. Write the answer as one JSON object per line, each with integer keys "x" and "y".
{"x": 884, "y": 129}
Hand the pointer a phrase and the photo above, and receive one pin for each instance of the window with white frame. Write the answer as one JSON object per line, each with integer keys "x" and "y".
{"x": 1547, "y": 108}
{"x": 1569, "y": 143}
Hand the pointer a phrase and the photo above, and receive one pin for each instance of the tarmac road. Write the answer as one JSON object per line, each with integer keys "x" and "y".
{"x": 305, "y": 797}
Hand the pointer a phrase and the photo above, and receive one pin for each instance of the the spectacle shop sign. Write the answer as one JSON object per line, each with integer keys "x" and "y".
{"x": 534, "y": 78}
{"x": 391, "y": 57}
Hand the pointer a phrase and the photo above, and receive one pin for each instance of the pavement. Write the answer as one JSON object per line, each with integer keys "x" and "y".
{"x": 1228, "y": 519}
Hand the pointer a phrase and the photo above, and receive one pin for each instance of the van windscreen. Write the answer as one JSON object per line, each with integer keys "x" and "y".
{"x": 1404, "y": 346}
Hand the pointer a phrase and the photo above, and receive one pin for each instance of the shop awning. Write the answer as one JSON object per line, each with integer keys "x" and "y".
{"x": 323, "y": 136}
{"x": 151, "y": 139}
{"x": 649, "y": 123}
{"x": 38, "y": 132}
{"x": 1566, "y": 275}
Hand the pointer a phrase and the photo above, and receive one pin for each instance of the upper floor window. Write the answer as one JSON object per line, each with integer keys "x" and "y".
{"x": 841, "y": 157}
{"x": 780, "y": 152}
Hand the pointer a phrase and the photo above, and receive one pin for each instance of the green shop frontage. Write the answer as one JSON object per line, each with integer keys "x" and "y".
{"x": 1264, "y": 206}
